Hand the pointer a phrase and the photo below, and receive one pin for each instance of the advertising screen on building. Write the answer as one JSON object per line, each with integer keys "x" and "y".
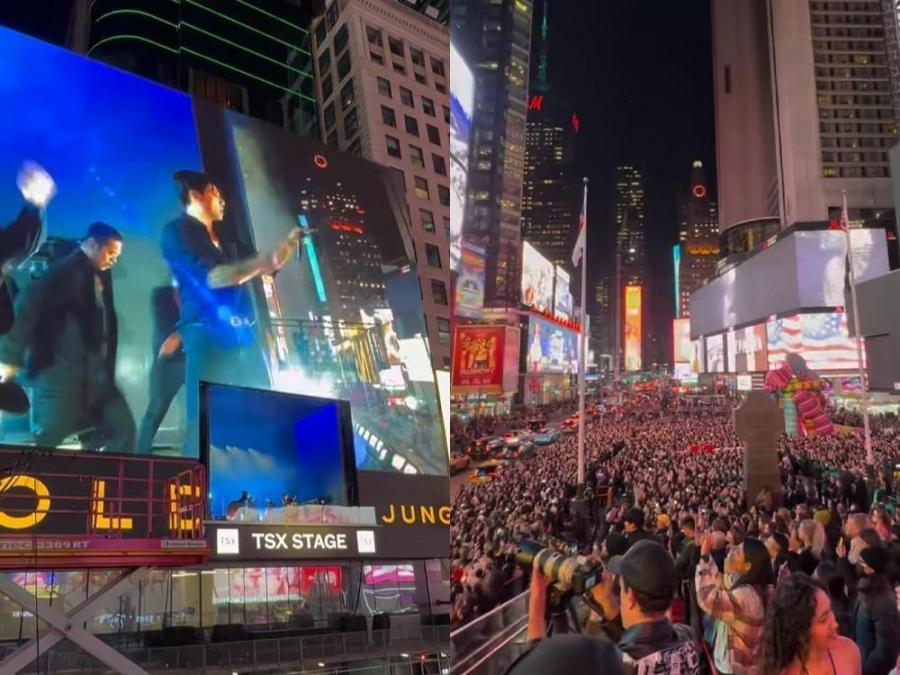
{"x": 324, "y": 325}
{"x": 551, "y": 348}
{"x": 822, "y": 339}
{"x": 681, "y": 341}
{"x": 478, "y": 359}
{"x": 562, "y": 296}
{"x": 697, "y": 358}
{"x": 462, "y": 93}
{"x": 633, "y": 334}
{"x": 537, "y": 279}
{"x": 747, "y": 349}
{"x": 715, "y": 354}
{"x": 470, "y": 281}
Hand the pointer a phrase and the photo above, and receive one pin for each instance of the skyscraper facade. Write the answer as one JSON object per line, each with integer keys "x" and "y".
{"x": 494, "y": 38}
{"x": 252, "y": 57}
{"x": 782, "y": 64}
{"x": 631, "y": 243}
{"x": 383, "y": 71}
{"x": 601, "y": 335}
{"x": 698, "y": 238}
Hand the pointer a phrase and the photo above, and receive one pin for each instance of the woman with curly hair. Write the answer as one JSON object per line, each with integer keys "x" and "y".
{"x": 801, "y": 633}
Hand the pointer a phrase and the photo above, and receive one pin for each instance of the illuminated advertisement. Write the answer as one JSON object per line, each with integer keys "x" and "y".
{"x": 697, "y": 356}
{"x": 470, "y": 281}
{"x": 747, "y": 352}
{"x": 551, "y": 348}
{"x": 681, "y": 341}
{"x": 715, "y": 354}
{"x": 274, "y": 584}
{"x": 151, "y": 247}
{"x": 537, "y": 279}
{"x": 462, "y": 93}
{"x": 633, "y": 328}
{"x": 744, "y": 382}
{"x": 822, "y": 339}
{"x": 562, "y": 298}
{"x": 478, "y": 358}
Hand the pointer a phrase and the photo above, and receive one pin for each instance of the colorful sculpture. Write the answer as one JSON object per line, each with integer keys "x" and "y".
{"x": 803, "y": 403}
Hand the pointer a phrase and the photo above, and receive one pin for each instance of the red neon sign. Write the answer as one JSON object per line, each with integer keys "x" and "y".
{"x": 576, "y": 123}
{"x": 536, "y": 103}
{"x": 320, "y": 161}
{"x": 699, "y": 191}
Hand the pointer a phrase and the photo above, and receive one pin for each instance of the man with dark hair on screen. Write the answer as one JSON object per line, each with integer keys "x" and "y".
{"x": 217, "y": 325}
{"x": 66, "y": 326}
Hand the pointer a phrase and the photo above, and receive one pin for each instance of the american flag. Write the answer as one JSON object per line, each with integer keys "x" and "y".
{"x": 822, "y": 339}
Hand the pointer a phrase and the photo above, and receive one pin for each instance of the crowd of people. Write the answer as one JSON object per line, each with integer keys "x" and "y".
{"x": 766, "y": 586}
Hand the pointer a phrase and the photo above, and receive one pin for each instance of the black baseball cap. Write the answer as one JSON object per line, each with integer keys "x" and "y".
{"x": 648, "y": 568}
{"x": 564, "y": 654}
{"x": 875, "y": 557}
{"x": 635, "y": 516}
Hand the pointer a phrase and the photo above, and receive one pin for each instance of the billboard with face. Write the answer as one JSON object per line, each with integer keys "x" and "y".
{"x": 633, "y": 333}
{"x": 537, "y": 279}
{"x": 747, "y": 349}
{"x": 551, "y": 348}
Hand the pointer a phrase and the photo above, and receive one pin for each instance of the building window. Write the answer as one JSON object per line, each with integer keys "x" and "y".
{"x": 444, "y": 195}
{"x": 388, "y": 116}
{"x": 406, "y": 97}
{"x": 355, "y": 148}
{"x": 351, "y": 124}
{"x": 396, "y": 47}
{"x": 321, "y": 32}
{"x": 440, "y": 87}
{"x": 420, "y": 78}
{"x": 437, "y": 67}
{"x": 439, "y": 292}
{"x": 343, "y": 67}
{"x": 393, "y": 146}
{"x": 398, "y": 68}
{"x": 440, "y": 165}
{"x": 347, "y": 95}
{"x": 327, "y": 86}
{"x": 433, "y": 255}
{"x": 434, "y": 135}
{"x": 428, "y": 106}
{"x": 446, "y": 114}
{"x": 443, "y": 325}
{"x": 373, "y": 35}
{"x": 417, "y": 57}
{"x": 329, "y": 115}
{"x": 325, "y": 60}
{"x": 446, "y": 220}
{"x": 416, "y": 157}
{"x": 422, "y": 188}
{"x": 215, "y": 89}
{"x": 412, "y": 126}
{"x": 427, "y": 219}
{"x": 332, "y": 139}
{"x": 376, "y": 58}
{"x": 341, "y": 38}
{"x": 384, "y": 87}
{"x": 331, "y": 16}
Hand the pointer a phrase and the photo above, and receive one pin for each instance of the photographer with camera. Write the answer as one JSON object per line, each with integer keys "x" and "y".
{"x": 646, "y": 581}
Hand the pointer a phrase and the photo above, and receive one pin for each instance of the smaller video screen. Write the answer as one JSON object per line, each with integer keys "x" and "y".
{"x": 275, "y": 457}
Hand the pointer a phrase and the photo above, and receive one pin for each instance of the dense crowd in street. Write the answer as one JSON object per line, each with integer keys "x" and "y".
{"x": 675, "y": 474}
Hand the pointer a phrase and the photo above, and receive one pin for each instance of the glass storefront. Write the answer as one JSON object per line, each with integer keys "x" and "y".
{"x": 260, "y": 598}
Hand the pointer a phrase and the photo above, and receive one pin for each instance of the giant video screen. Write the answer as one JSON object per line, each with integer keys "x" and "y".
{"x": 715, "y": 354}
{"x": 821, "y": 338}
{"x": 537, "y": 279}
{"x": 551, "y": 348}
{"x": 633, "y": 328}
{"x": 462, "y": 100}
{"x": 562, "y": 295}
{"x": 747, "y": 349}
{"x": 185, "y": 243}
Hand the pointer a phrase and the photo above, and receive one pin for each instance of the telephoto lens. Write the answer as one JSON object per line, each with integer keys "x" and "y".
{"x": 568, "y": 573}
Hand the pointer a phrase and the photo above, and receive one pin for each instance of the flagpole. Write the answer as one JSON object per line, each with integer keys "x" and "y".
{"x": 582, "y": 351}
{"x": 845, "y": 226}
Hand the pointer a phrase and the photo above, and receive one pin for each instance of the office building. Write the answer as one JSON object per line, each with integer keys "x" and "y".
{"x": 383, "y": 76}
{"x": 698, "y": 237}
{"x": 629, "y": 223}
{"x": 252, "y": 57}
{"x": 550, "y": 193}
{"x": 601, "y": 335}
{"x": 494, "y": 38}
{"x": 804, "y": 109}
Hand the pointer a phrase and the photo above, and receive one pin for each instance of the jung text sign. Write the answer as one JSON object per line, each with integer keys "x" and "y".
{"x": 478, "y": 358}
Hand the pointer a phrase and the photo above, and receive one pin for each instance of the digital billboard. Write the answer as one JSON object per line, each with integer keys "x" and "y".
{"x": 537, "y": 279}
{"x": 562, "y": 296}
{"x": 633, "y": 334}
{"x": 551, "y": 348}
{"x": 470, "y": 281}
{"x": 715, "y": 354}
{"x": 681, "y": 341}
{"x": 747, "y": 349}
{"x": 821, "y": 338}
{"x": 280, "y": 252}
{"x": 478, "y": 358}
{"x": 462, "y": 95}
{"x": 697, "y": 360}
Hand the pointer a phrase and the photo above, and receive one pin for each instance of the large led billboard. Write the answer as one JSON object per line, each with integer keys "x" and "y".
{"x": 537, "y": 279}
{"x": 462, "y": 96}
{"x": 633, "y": 335}
{"x": 715, "y": 354}
{"x": 821, "y": 338}
{"x": 562, "y": 295}
{"x": 747, "y": 349}
{"x": 681, "y": 341}
{"x": 478, "y": 358}
{"x": 104, "y": 341}
{"x": 551, "y": 348}
{"x": 470, "y": 281}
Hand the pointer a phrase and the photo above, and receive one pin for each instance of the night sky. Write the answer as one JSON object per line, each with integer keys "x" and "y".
{"x": 639, "y": 75}
{"x": 45, "y": 19}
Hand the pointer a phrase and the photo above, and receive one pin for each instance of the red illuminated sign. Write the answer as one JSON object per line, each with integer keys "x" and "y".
{"x": 478, "y": 357}
{"x": 576, "y": 123}
{"x": 320, "y": 161}
{"x": 536, "y": 103}
{"x": 699, "y": 191}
